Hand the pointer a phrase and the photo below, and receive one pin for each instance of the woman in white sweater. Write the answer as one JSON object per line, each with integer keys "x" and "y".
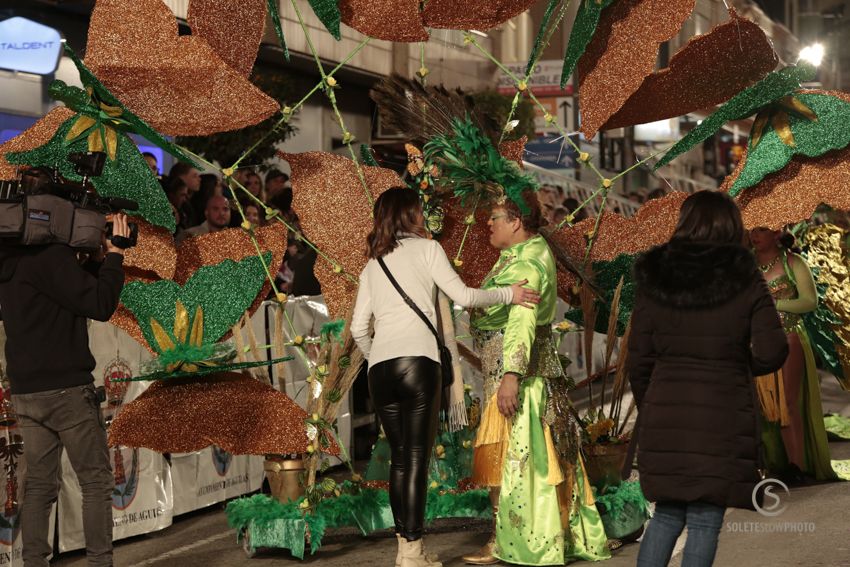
{"x": 404, "y": 368}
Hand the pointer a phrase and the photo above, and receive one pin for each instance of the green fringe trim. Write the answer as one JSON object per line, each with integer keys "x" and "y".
{"x": 354, "y": 507}
{"x": 615, "y": 498}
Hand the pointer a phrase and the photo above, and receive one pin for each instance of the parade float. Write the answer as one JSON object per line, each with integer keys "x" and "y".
{"x": 182, "y": 303}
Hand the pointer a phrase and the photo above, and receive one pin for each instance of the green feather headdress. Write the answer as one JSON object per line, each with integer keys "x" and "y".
{"x": 472, "y": 167}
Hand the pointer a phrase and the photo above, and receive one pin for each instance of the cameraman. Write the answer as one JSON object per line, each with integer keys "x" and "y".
{"x": 46, "y": 297}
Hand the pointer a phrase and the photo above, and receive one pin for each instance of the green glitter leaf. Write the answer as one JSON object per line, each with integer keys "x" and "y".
{"x": 135, "y": 123}
{"x": 812, "y": 139}
{"x": 224, "y": 292}
{"x": 746, "y": 103}
{"x": 328, "y": 13}
{"x": 278, "y": 29}
{"x": 584, "y": 27}
{"x": 541, "y": 35}
{"x": 128, "y": 176}
{"x": 607, "y": 277}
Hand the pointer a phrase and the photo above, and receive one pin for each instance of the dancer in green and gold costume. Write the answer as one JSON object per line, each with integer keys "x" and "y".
{"x": 794, "y": 435}
{"x": 527, "y": 446}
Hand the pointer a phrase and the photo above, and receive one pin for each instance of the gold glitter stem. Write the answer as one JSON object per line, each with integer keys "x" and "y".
{"x": 286, "y": 117}
{"x": 580, "y": 207}
{"x": 562, "y": 131}
{"x": 328, "y": 90}
{"x": 531, "y": 64}
{"x": 595, "y": 232}
{"x": 423, "y": 78}
{"x": 468, "y": 227}
{"x": 640, "y": 163}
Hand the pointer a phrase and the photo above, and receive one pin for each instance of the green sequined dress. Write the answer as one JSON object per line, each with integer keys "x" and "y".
{"x": 546, "y": 511}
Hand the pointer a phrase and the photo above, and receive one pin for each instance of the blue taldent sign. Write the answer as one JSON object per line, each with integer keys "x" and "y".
{"x": 28, "y": 46}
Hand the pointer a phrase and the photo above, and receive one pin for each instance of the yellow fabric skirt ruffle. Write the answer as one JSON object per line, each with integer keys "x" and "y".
{"x": 491, "y": 444}
{"x": 771, "y": 392}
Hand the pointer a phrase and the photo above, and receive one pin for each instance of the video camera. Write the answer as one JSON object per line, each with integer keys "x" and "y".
{"x": 43, "y": 208}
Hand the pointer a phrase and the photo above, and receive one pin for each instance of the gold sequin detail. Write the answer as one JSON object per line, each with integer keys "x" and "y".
{"x": 622, "y": 53}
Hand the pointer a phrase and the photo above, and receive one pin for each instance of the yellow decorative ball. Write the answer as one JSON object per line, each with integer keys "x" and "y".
{"x": 281, "y": 297}
{"x": 331, "y": 82}
{"x": 246, "y": 225}
{"x": 457, "y": 262}
{"x": 607, "y": 183}
{"x": 522, "y": 85}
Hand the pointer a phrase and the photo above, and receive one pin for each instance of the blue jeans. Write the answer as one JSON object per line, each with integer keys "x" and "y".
{"x": 703, "y": 520}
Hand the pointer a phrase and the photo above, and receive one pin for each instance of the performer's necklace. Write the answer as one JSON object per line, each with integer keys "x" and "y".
{"x": 765, "y": 268}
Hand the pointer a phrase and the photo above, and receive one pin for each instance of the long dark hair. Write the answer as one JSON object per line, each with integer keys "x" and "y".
{"x": 396, "y": 212}
{"x": 710, "y": 216}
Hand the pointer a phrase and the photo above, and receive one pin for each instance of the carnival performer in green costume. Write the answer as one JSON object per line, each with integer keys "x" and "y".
{"x": 794, "y": 435}
{"x": 527, "y": 446}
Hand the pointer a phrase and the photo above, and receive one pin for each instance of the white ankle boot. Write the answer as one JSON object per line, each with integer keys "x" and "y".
{"x": 413, "y": 554}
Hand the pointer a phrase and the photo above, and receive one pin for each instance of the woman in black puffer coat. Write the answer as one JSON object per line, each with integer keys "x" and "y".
{"x": 704, "y": 324}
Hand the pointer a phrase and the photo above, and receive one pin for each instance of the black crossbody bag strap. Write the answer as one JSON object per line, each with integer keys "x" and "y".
{"x": 410, "y": 302}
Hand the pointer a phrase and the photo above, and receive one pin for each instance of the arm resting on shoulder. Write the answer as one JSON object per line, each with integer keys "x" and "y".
{"x": 450, "y": 283}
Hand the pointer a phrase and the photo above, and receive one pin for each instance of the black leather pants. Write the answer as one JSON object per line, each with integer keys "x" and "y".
{"x": 406, "y": 394}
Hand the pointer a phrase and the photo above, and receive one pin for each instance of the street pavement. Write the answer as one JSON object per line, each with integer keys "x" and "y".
{"x": 813, "y": 531}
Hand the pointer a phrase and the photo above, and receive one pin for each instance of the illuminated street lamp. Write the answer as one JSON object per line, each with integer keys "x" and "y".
{"x": 812, "y": 54}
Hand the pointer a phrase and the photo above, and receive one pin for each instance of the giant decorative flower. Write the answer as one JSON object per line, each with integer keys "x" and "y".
{"x": 407, "y": 20}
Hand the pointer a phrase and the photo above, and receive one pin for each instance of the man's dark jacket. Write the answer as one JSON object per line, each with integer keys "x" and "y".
{"x": 45, "y": 299}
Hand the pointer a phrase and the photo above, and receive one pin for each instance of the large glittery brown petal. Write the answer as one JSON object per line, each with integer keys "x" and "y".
{"x": 793, "y": 193}
{"x": 622, "y": 53}
{"x": 652, "y": 225}
{"x": 33, "y": 137}
{"x": 154, "y": 257}
{"x": 472, "y": 14}
{"x": 234, "y": 411}
{"x": 336, "y": 216}
{"x": 391, "y": 20}
{"x": 478, "y": 256}
{"x": 514, "y": 150}
{"x": 708, "y": 71}
{"x": 233, "y": 28}
{"x": 177, "y": 84}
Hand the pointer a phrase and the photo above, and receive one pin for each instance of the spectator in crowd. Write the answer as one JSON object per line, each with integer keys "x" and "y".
{"x": 152, "y": 163}
{"x": 657, "y": 194}
{"x": 276, "y": 181}
{"x": 217, "y": 215}
{"x": 192, "y": 178}
{"x": 178, "y": 194}
{"x": 210, "y": 185}
{"x": 571, "y": 204}
{"x": 254, "y": 184}
{"x": 252, "y": 214}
